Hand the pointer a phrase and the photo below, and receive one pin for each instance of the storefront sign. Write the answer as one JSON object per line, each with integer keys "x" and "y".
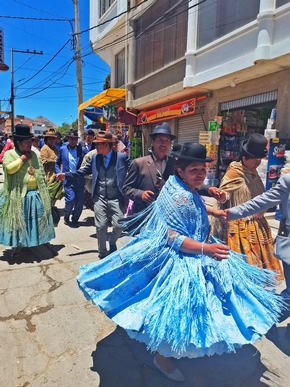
{"x": 3, "y": 66}
{"x": 176, "y": 110}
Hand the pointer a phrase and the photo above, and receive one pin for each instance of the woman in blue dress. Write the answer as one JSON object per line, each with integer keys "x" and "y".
{"x": 177, "y": 291}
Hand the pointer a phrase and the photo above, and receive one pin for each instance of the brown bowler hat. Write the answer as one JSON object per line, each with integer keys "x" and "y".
{"x": 50, "y": 133}
{"x": 103, "y": 136}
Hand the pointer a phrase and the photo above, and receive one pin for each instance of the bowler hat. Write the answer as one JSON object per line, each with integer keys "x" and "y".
{"x": 162, "y": 128}
{"x": 103, "y": 136}
{"x": 22, "y": 130}
{"x": 50, "y": 133}
{"x": 73, "y": 133}
{"x": 255, "y": 146}
{"x": 192, "y": 151}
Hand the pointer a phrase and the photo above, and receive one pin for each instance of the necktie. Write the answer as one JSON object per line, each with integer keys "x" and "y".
{"x": 105, "y": 162}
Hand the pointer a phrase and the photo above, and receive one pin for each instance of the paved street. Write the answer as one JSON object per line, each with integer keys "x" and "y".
{"x": 52, "y": 336}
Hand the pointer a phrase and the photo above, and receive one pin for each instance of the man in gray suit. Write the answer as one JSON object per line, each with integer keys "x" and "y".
{"x": 108, "y": 169}
{"x": 147, "y": 175}
{"x": 280, "y": 194}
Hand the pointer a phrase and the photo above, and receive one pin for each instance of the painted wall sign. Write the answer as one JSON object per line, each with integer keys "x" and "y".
{"x": 171, "y": 111}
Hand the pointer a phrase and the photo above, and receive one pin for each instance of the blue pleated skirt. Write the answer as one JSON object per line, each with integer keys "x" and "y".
{"x": 39, "y": 227}
{"x": 183, "y": 305}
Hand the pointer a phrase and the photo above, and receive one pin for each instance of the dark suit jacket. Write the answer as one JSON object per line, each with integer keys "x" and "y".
{"x": 83, "y": 143}
{"x": 120, "y": 160}
{"x": 142, "y": 176}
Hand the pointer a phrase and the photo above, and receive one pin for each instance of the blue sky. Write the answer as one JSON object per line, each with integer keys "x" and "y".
{"x": 58, "y": 100}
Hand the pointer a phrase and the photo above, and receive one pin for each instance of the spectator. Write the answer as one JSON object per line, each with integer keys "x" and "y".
{"x": 69, "y": 160}
{"x": 35, "y": 143}
{"x": 88, "y": 144}
{"x": 147, "y": 174}
{"x": 8, "y": 145}
{"x": 251, "y": 235}
{"x": 58, "y": 141}
{"x": 49, "y": 154}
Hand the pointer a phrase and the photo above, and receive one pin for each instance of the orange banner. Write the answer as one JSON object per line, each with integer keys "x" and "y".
{"x": 171, "y": 111}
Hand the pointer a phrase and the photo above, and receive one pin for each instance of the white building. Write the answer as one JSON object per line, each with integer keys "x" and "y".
{"x": 208, "y": 57}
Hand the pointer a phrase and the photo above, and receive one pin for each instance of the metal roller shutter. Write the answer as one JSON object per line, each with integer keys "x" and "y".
{"x": 189, "y": 128}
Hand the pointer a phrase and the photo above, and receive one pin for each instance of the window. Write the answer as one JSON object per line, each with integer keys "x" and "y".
{"x": 217, "y": 18}
{"x": 120, "y": 69}
{"x": 279, "y": 3}
{"x": 104, "y": 6}
{"x": 161, "y": 35}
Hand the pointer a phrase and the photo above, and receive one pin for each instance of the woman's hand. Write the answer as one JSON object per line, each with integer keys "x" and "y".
{"x": 25, "y": 156}
{"x": 60, "y": 177}
{"x": 218, "y": 194}
{"x": 217, "y": 251}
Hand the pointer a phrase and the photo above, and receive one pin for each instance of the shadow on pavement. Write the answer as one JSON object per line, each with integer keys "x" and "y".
{"x": 123, "y": 362}
{"x": 280, "y": 337}
{"x": 32, "y": 254}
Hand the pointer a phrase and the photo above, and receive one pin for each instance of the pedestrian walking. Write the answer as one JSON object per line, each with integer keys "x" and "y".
{"x": 173, "y": 289}
{"x": 69, "y": 160}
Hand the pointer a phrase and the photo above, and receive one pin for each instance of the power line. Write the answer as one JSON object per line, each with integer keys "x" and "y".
{"x": 29, "y": 79}
{"x": 35, "y": 18}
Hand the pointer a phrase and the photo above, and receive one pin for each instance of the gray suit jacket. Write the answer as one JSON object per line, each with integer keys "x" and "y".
{"x": 280, "y": 194}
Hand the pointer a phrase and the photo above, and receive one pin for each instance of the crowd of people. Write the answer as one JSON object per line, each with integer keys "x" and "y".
{"x": 179, "y": 281}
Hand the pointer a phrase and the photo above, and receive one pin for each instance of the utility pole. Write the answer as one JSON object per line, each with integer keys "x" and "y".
{"x": 79, "y": 68}
{"x": 12, "y": 98}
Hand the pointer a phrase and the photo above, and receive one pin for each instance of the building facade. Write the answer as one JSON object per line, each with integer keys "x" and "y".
{"x": 186, "y": 62}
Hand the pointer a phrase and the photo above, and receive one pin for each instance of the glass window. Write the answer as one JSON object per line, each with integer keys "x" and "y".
{"x": 217, "y": 18}
{"x": 161, "y": 35}
{"x": 104, "y": 5}
{"x": 120, "y": 69}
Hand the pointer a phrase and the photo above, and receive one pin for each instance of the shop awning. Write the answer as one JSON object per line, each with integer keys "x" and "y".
{"x": 93, "y": 113}
{"x": 105, "y": 97}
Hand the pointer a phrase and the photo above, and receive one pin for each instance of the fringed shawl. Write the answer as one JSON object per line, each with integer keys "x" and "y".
{"x": 241, "y": 184}
{"x": 14, "y": 191}
{"x": 176, "y": 213}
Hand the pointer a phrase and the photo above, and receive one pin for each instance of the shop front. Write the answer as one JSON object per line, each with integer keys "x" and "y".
{"x": 242, "y": 117}
{"x": 185, "y": 119}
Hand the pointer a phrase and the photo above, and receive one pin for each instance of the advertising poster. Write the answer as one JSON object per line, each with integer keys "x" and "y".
{"x": 276, "y": 161}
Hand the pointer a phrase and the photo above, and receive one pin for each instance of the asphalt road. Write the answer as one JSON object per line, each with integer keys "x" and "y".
{"x": 51, "y": 336}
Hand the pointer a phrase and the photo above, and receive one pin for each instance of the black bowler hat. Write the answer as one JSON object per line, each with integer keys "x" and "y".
{"x": 22, "y": 130}
{"x": 192, "y": 151}
{"x": 255, "y": 146}
{"x": 162, "y": 128}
